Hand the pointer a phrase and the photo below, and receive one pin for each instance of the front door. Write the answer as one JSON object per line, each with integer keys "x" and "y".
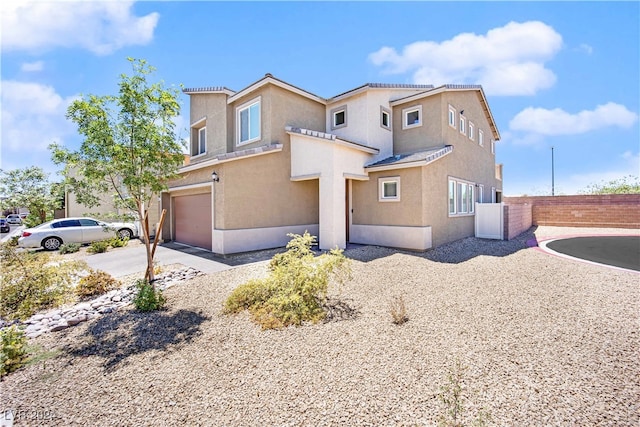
{"x": 347, "y": 204}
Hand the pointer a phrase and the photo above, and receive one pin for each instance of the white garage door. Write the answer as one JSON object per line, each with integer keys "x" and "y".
{"x": 192, "y": 220}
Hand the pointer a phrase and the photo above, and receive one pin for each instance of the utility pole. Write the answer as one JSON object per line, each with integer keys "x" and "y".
{"x": 553, "y": 192}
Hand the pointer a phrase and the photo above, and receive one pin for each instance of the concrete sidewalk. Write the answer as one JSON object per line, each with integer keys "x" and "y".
{"x": 134, "y": 260}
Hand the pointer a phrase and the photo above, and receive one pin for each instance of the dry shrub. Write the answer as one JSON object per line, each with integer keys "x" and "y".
{"x": 398, "y": 310}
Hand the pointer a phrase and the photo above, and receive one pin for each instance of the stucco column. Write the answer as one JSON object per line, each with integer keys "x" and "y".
{"x": 332, "y": 211}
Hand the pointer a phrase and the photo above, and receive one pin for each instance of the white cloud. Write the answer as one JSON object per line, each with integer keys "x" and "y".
{"x": 33, "y": 116}
{"x": 101, "y": 27}
{"x": 586, "y": 48}
{"x": 546, "y": 122}
{"x": 32, "y": 66}
{"x": 508, "y": 60}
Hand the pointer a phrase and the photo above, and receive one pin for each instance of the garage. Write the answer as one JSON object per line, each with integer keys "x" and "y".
{"x": 192, "y": 220}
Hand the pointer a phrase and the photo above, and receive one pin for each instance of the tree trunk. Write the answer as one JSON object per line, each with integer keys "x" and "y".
{"x": 147, "y": 244}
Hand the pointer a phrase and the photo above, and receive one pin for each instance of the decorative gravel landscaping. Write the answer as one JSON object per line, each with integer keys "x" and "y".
{"x": 544, "y": 340}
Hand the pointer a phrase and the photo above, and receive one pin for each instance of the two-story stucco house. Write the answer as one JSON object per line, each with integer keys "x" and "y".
{"x": 384, "y": 164}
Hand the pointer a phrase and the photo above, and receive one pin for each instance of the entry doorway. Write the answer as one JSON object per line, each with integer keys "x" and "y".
{"x": 347, "y": 211}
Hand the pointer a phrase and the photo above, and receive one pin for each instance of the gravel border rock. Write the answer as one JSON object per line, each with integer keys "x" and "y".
{"x": 546, "y": 341}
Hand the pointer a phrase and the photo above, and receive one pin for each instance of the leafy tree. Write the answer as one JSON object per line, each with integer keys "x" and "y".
{"x": 29, "y": 188}
{"x": 626, "y": 185}
{"x": 130, "y": 148}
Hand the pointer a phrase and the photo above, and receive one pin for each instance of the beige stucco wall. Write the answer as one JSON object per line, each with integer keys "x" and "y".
{"x": 424, "y": 190}
{"x": 257, "y": 192}
{"x": 107, "y": 207}
{"x": 213, "y": 107}
{"x": 409, "y": 211}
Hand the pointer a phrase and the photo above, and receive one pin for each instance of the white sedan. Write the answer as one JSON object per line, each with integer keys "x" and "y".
{"x": 52, "y": 234}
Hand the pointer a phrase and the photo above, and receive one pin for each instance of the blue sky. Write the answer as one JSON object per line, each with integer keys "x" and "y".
{"x": 560, "y": 74}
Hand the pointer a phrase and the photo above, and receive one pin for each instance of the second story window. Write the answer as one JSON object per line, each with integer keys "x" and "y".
{"x": 339, "y": 117}
{"x": 463, "y": 125}
{"x": 248, "y": 121}
{"x": 202, "y": 140}
{"x": 472, "y": 129}
{"x": 198, "y": 137}
{"x": 412, "y": 117}
{"x": 452, "y": 117}
{"x": 480, "y": 137}
{"x": 385, "y": 118}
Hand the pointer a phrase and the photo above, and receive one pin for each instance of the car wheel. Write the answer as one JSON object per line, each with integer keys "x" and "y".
{"x": 125, "y": 233}
{"x": 51, "y": 243}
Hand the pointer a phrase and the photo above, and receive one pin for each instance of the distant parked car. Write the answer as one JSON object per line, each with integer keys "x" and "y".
{"x": 52, "y": 234}
{"x": 14, "y": 219}
{"x": 4, "y": 226}
{"x": 23, "y": 215}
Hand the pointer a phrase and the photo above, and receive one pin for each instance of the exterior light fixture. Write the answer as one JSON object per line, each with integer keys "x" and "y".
{"x": 461, "y": 112}
{"x": 215, "y": 177}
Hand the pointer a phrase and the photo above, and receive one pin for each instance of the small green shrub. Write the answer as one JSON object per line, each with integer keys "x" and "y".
{"x": 147, "y": 297}
{"x": 295, "y": 288}
{"x": 30, "y": 282}
{"x": 99, "y": 246}
{"x": 96, "y": 283}
{"x": 68, "y": 248}
{"x": 13, "y": 352}
{"x": 116, "y": 242}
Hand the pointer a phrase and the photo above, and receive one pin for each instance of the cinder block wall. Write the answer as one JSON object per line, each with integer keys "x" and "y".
{"x": 517, "y": 219}
{"x": 611, "y": 210}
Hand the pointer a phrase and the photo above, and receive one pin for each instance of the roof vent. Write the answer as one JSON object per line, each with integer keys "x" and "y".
{"x": 268, "y": 75}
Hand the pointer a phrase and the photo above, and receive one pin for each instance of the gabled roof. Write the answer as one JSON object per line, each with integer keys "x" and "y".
{"x": 234, "y": 155}
{"x": 367, "y": 86}
{"x": 419, "y": 158}
{"x": 455, "y": 88}
{"x": 268, "y": 78}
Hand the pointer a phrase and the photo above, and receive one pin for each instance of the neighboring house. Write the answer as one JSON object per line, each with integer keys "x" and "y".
{"x": 396, "y": 165}
{"x": 106, "y": 209}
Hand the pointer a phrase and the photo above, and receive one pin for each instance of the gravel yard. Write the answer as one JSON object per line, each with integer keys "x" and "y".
{"x": 545, "y": 340}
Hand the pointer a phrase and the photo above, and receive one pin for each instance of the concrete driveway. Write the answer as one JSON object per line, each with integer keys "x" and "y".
{"x": 130, "y": 260}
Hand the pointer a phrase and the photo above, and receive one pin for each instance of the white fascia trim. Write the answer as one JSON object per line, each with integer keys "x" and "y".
{"x": 213, "y": 162}
{"x": 338, "y": 141}
{"x": 187, "y": 187}
{"x": 355, "y": 177}
{"x": 417, "y": 96}
{"x": 197, "y": 122}
{"x": 492, "y": 122}
{"x": 305, "y": 177}
{"x": 225, "y": 91}
{"x": 275, "y": 82}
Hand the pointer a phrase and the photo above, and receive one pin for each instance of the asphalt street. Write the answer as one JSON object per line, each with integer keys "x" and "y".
{"x": 618, "y": 251}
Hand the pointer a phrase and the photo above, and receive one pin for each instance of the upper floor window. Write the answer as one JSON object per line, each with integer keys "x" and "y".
{"x": 248, "y": 122}
{"x": 493, "y": 147}
{"x": 412, "y": 117}
{"x": 339, "y": 117}
{"x": 385, "y": 118}
{"x": 480, "y": 137}
{"x": 452, "y": 117}
{"x": 472, "y": 129}
{"x": 199, "y": 137}
{"x": 463, "y": 125}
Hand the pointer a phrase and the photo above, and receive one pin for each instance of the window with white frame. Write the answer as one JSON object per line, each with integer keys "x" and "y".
{"x": 480, "y": 193}
{"x": 493, "y": 147}
{"x": 493, "y": 194}
{"x": 202, "y": 140}
{"x": 452, "y": 117}
{"x": 385, "y": 118}
{"x": 461, "y": 197}
{"x": 389, "y": 189}
{"x": 480, "y": 137}
{"x": 339, "y": 117}
{"x": 248, "y": 122}
{"x": 412, "y": 117}
{"x": 472, "y": 129}
{"x": 463, "y": 125}
{"x": 198, "y": 138}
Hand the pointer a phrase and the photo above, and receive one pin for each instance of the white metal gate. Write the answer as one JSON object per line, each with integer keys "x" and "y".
{"x": 489, "y": 220}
